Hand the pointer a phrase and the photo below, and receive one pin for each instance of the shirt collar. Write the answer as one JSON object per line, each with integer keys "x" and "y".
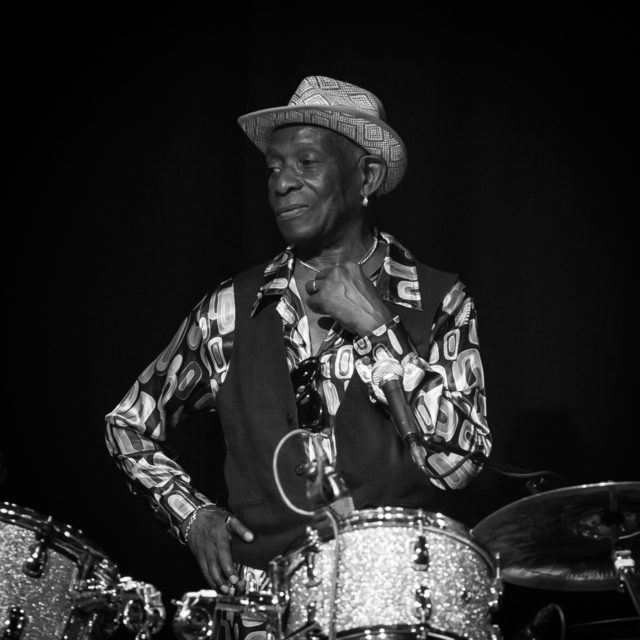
{"x": 397, "y": 282}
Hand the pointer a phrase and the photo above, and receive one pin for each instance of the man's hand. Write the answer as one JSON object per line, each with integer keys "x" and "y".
{"x": 209, "y": 540}
{"x": 346, "y": 294}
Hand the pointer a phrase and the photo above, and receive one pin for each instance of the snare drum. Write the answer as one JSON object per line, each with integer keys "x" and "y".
{"x": 54, "y": 583}
{"x": 389, "y": 571}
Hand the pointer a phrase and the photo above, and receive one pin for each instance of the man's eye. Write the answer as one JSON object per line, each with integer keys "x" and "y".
{"x": 272, "y": 169}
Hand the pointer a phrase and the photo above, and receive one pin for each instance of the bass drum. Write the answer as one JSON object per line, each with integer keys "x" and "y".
{"x": 54, "y": 583}
{"x": 389, "y": 572}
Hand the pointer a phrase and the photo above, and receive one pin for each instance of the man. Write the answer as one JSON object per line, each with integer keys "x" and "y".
{"x": 330, "y": 312}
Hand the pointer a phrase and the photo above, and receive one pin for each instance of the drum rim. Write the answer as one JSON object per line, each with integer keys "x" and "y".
{"x": 64, "y": 538}
{"x": 437, "y": 523}
{"x": 434, "y": 518}
{"x": 388, "y": 630}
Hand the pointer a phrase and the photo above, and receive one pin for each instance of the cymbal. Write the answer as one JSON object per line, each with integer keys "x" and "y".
{"x": 563, "y": 539}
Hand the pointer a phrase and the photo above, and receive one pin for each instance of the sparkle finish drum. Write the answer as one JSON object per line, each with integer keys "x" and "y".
{"x": 54, "y": 583}
{"x": 389, "y": 572}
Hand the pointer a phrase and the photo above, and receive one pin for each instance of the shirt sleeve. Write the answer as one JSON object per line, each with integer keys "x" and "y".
{"x": 446, "y": 391}
{"x": 182, "y": 380}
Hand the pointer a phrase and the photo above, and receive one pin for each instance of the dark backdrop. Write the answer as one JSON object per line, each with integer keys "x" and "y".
{"x": 134, "y": 192}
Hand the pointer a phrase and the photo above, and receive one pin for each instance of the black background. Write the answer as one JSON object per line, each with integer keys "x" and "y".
{"x": 133, "y": 191}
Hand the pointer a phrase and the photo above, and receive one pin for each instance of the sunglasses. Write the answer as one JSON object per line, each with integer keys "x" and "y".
{"x": 308, "y": 400}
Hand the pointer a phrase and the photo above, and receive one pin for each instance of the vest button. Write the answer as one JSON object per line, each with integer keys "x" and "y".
{"x": 299, "y": 469}
{"x": 289, "y": 418}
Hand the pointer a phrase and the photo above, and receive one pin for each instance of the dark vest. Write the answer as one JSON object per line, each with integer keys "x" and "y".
{"x": 257, "y": 409}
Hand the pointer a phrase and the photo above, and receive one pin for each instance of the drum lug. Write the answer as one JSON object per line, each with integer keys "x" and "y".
{"x": 14, "y": 624}
{"x": 311, "y": 613}
{"x": 423, "y": 603}
{"x": 495, "y": 590}
{"x": 419, "y": 551}
{"x": 313, "y": 580}
{"x": 33, "y": 566}
{"x": 420, "y": 554}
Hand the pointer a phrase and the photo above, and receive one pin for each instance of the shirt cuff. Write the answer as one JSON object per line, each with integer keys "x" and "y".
{"x": 389, "y": 340}
{"x": 179, "y": 505}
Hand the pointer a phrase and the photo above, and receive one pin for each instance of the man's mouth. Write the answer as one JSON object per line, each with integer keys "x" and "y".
{"x": 290, "y": 211}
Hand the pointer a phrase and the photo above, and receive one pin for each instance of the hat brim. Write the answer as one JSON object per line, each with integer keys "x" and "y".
{"x": 371, "y": 133}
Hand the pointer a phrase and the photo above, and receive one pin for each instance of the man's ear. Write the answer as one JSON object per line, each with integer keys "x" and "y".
{"x": 375, "y": 170}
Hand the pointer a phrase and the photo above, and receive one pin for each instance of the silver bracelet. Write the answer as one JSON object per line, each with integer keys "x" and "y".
{"x": 192, "y": 519}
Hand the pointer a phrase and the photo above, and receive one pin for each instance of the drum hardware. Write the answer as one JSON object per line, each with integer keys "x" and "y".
{"x": 34, "y": 565}
{"x": 420, "y": 554}
{"x": 13, "y": 624}
{"x": 66, "y": 588}
{"x": 310, "y": 630}
{"x": 279, "y": 581}
{"x": 142, "y": 611}
{"x": 194, "y": 620}
{"x": 197, "y": 615}
{"x": 423, "y": 603}
{"x": 95, "y": 592}
{"x": 625, "y": 567}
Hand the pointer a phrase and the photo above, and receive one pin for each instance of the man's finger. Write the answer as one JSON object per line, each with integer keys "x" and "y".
{"x": 205, "y": 566}
{"x": 312, "y": 287}
{"x": 236, "y": 527}
{"x": 213, "y": 571}
{"x": 226, "y": 564}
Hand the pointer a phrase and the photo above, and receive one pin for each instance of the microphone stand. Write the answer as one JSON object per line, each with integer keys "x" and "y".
{"x": 325, "y": 486}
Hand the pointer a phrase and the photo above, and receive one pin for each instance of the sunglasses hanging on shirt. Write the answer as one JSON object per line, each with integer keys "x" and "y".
{"x": 308, "y": 400}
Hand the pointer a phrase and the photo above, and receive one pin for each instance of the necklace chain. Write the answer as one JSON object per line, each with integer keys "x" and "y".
{"x": 362, "y": 260}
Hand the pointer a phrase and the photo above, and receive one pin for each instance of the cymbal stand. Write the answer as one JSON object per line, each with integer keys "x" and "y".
{"x": 623, "y": 560}
{"x": 626, "y": 572}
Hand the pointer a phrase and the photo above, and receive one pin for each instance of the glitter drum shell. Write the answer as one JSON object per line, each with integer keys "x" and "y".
{"x": 379, "y": 589}
{"x": 43, "y": 564}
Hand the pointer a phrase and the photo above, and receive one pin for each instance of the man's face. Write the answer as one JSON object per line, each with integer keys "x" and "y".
{"x": 314, "y": 185}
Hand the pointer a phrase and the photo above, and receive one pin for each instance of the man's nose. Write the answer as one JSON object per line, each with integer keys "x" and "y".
{"x": 287, "y": 179}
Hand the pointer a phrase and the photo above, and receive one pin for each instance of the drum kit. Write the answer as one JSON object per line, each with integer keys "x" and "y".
{"x": 377, "y": 573}
{"x": 55, "y": 583}
{"x": 398, "y": 573}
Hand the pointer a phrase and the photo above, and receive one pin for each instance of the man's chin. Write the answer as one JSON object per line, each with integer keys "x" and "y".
{"x": 297, "y": 235}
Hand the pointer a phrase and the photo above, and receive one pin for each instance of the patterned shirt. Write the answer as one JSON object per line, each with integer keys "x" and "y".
{"x": 445, "y": 392}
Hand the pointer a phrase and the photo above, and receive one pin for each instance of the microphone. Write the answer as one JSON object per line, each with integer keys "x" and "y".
{"x": 325, "y": 485}
{"x": 388, "y": 374}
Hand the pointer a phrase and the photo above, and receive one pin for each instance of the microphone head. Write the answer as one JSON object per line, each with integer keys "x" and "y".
{"x": 386, "y": 370}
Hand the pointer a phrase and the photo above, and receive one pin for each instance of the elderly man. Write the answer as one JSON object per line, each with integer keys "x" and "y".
{"x": 304, "y": 342}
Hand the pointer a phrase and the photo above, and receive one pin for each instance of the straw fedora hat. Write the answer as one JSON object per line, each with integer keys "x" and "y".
{"x": 333, "y": 104}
